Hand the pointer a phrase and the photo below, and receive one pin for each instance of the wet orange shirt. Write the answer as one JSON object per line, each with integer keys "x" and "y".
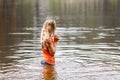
{"x": 47, "y": 57}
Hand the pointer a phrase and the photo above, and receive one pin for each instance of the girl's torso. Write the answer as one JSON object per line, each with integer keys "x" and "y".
{"x": 47, "y": 57}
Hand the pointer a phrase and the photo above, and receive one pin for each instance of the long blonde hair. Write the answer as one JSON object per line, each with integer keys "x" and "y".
{"x": 48, "y": 30}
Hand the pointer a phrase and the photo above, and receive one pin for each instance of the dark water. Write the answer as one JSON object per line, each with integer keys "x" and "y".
{"x": 89, "y": 46}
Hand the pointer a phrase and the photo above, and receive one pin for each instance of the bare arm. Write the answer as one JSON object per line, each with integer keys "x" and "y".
{"x": 50, "y": 47}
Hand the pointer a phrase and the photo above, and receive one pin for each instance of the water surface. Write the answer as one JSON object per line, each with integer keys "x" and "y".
{"x": 89, "y": 46}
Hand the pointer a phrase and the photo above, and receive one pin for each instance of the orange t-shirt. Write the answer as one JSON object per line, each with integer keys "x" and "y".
{"x": 47, "y": 57}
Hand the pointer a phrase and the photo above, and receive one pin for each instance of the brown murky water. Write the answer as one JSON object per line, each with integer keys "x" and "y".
{"x": 89, "y": 46}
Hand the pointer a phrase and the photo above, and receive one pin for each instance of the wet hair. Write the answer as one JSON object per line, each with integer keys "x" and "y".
{"x": 48, "y": 30}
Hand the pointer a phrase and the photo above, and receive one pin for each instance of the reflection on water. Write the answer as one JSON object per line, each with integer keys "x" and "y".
{"x": 89, "y": 46}
{"x": 49, "y": 73}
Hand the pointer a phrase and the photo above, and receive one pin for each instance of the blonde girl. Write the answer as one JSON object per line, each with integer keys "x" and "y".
{"x": 48, "y": 42}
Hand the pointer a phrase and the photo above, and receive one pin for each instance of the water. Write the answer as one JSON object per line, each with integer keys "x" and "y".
{"x": 89, "y": 46}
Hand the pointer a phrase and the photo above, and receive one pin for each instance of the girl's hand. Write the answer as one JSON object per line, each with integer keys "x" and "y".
{"x": 56, "y": 38}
